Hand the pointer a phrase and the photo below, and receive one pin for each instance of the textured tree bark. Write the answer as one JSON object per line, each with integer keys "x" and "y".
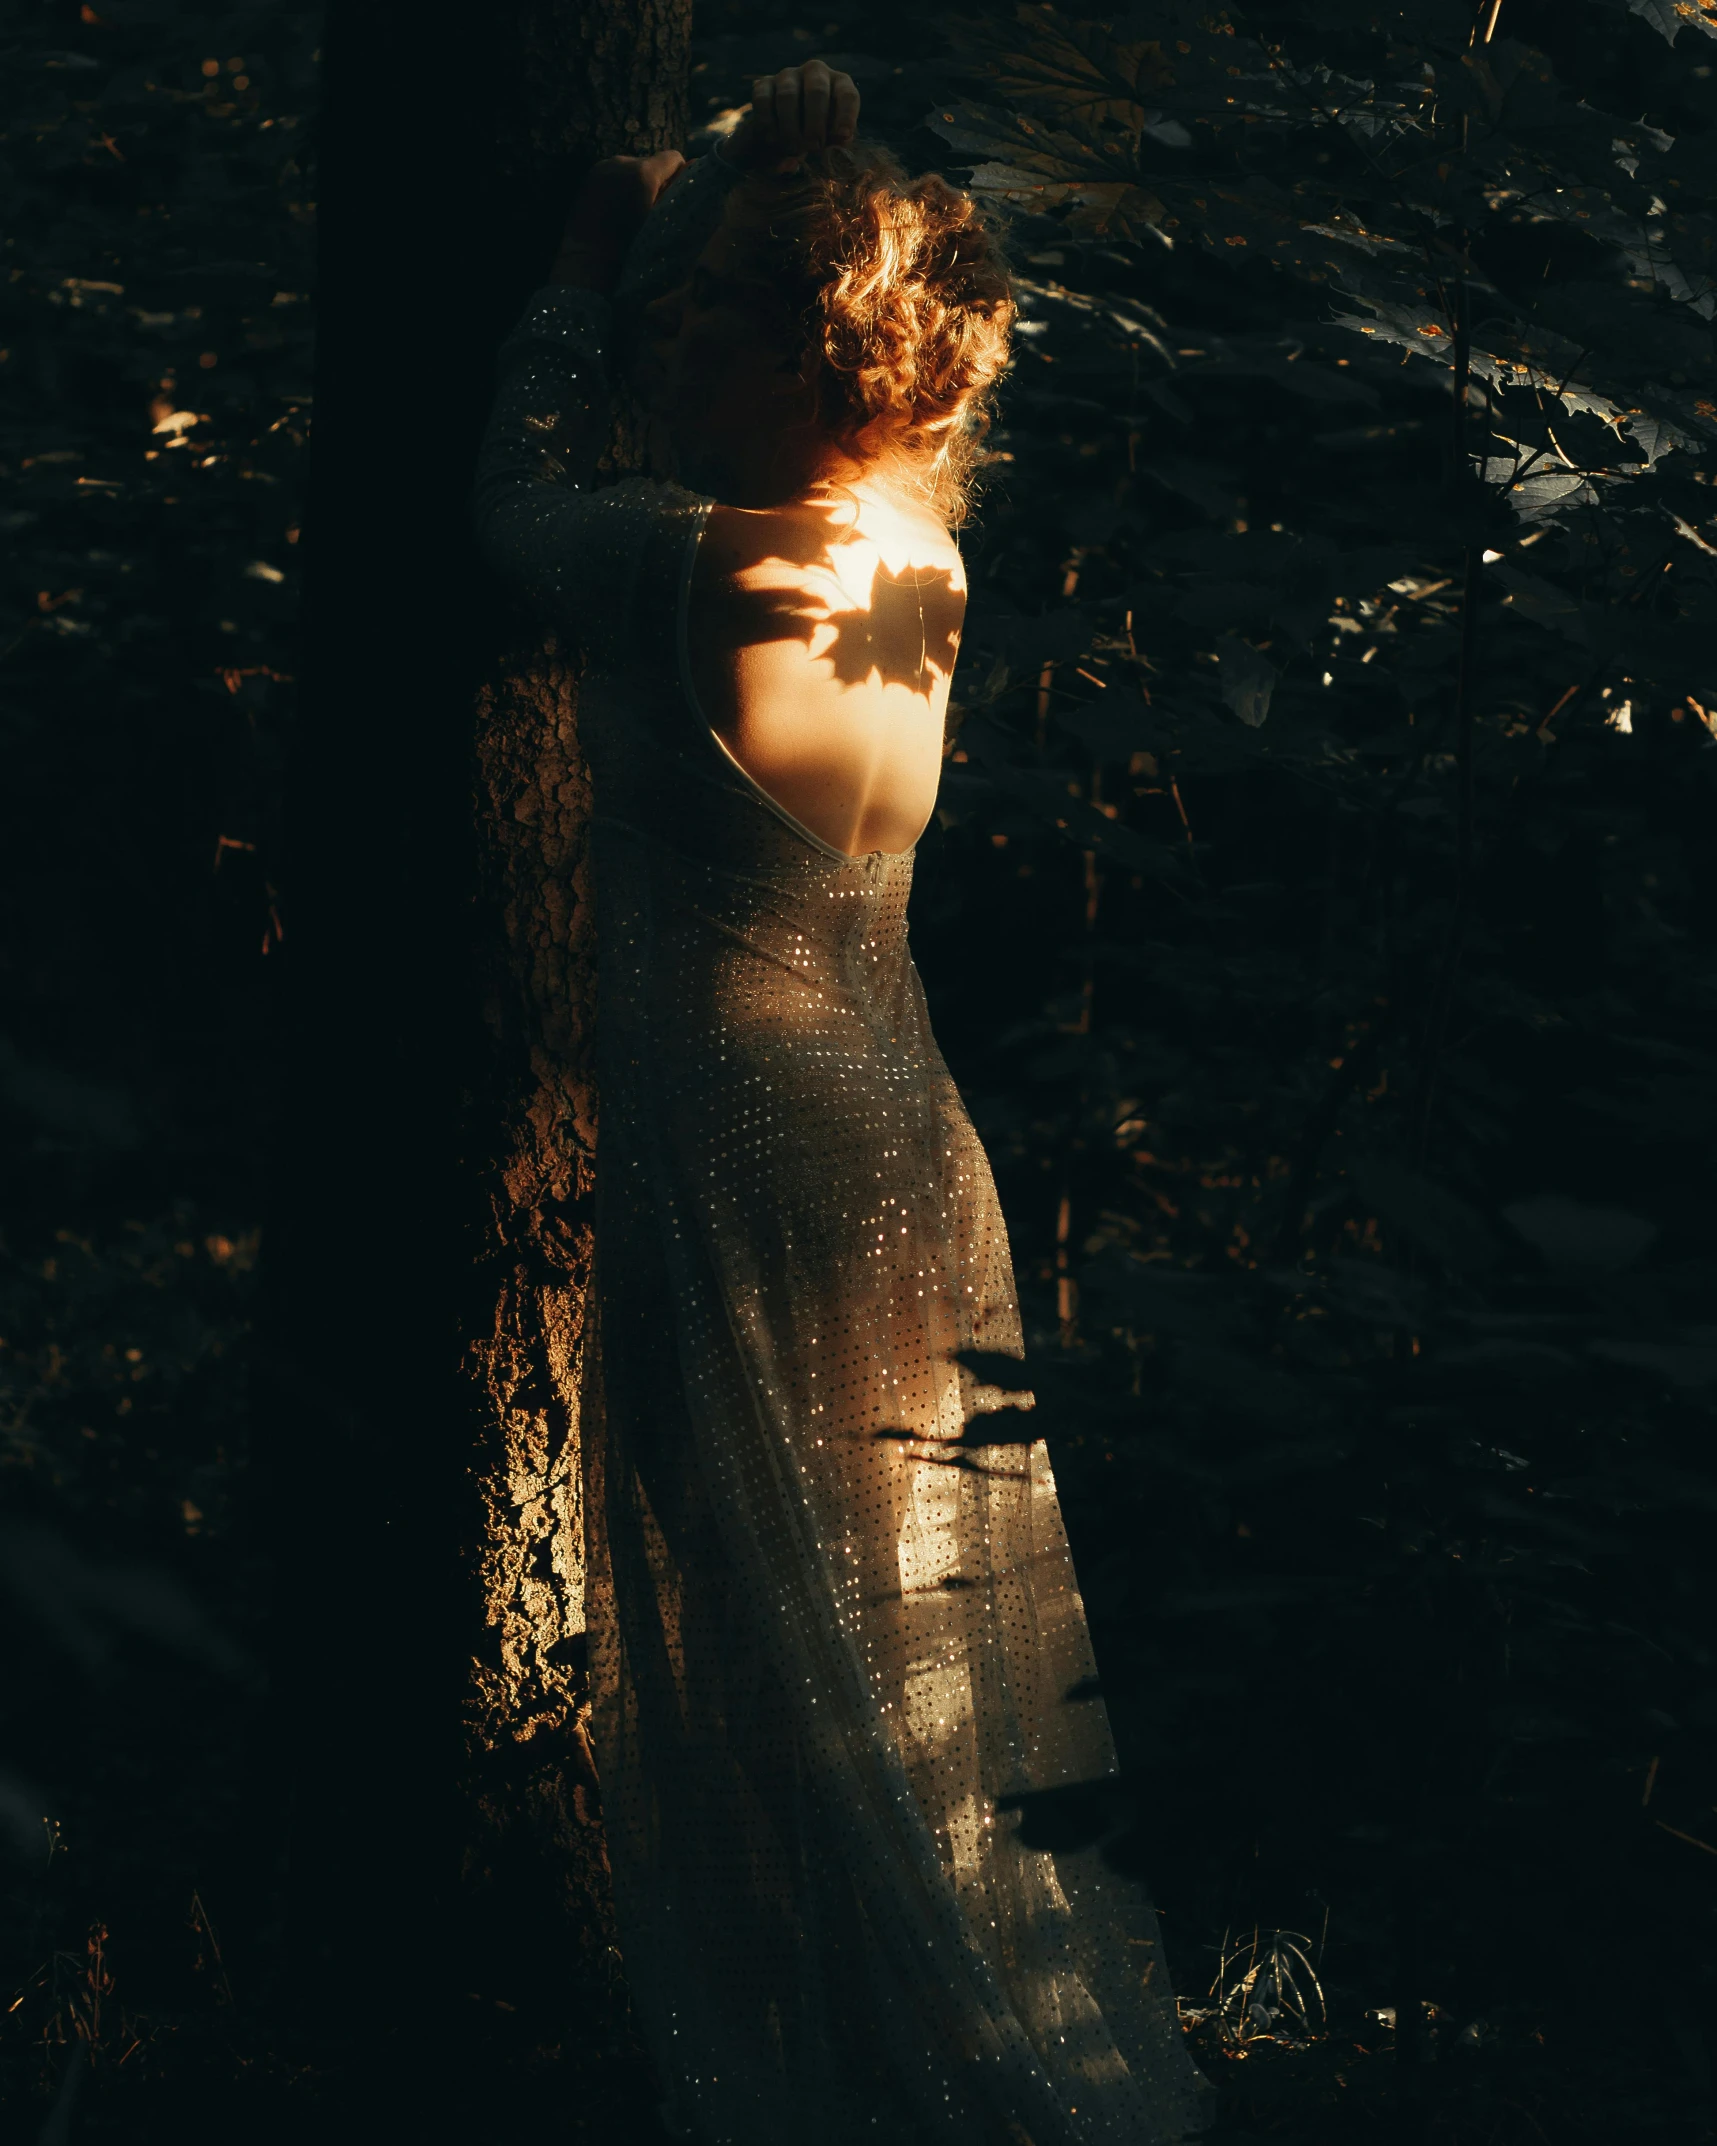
{"x": 600, "y": 78}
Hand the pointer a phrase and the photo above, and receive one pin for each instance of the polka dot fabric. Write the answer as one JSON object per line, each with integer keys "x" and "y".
{"x": 830, "y": 1625}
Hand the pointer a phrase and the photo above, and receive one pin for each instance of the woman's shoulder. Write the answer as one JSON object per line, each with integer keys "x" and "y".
{"x": 830, "y": 535}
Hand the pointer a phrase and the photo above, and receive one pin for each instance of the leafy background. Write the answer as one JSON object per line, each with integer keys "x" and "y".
{"x": 156, "y": 385}
{"x": 1318, "y": 918}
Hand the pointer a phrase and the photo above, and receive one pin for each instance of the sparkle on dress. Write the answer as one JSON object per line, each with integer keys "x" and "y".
{"x": 825, "y": 1639}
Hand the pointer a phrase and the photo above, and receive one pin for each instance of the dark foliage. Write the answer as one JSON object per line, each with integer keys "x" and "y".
{"x": 1348, "y": 601}
{"x": 1318, "y": 917}
{"x": 156, "y": 384}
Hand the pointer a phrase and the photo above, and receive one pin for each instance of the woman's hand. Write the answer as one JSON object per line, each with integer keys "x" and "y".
{"x": 603, "y": 221}
{"x": 799, "y": 109}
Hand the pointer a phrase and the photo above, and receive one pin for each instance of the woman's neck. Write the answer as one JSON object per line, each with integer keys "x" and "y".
{"x": 761, "y": 473}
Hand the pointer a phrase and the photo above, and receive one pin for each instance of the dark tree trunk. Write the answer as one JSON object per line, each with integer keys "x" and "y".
{"x": 430, "y": 1786}
{"x": 599, "y": 80}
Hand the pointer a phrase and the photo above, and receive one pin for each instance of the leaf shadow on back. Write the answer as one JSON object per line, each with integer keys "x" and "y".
{"x": 909, "y": 629}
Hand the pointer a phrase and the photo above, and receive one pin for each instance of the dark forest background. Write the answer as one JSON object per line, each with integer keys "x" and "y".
{"x": 1320, "y": 918}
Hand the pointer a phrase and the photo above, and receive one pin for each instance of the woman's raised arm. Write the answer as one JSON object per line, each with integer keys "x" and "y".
{"x": 572, "y": 547}
{"x": 542, "y": 523}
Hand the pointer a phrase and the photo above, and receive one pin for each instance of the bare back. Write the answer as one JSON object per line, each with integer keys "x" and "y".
{"x": 822, "y": 638}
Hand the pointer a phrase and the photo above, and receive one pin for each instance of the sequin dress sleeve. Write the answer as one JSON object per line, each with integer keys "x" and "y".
{"x": 834, "y": 1626}
{"x": 575, "y": 548}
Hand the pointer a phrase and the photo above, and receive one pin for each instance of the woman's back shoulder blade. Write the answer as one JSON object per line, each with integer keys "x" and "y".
{"x": 814, "y": 561}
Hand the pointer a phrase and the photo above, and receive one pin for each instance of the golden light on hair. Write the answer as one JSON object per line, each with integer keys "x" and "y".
{"x": 903, "y": 289}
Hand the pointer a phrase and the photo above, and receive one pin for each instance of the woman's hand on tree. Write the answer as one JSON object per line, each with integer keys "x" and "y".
{"x": 793, "y": 112}
{"x": 605, "y": 218}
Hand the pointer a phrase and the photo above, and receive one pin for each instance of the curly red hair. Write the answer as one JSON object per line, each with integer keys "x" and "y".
{"x": 902, "y": 289}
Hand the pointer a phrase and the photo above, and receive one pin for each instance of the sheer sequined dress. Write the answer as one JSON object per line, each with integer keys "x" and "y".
{"x": 824, "y": 1638}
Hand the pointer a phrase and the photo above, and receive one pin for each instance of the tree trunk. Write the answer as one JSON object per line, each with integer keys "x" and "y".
{"x": 410, "y": 1135}
{"x": 604, "y": 78}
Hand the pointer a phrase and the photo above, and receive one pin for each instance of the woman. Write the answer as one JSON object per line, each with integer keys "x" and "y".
{"x": 831, "y": 1625}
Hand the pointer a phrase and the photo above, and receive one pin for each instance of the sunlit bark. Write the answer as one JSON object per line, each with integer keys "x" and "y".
{"x": 602, "y": 78}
